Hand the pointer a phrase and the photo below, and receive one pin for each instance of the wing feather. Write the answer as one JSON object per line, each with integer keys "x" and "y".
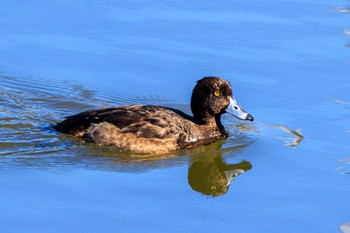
{"x": 144, "y": 121}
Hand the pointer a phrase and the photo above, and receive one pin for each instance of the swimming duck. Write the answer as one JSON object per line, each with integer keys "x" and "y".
{"x": 156, "y": 129}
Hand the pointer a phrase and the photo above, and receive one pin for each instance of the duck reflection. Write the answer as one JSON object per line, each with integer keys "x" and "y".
{"x": 208, "y": 171}
{"x": 212, "y": 176}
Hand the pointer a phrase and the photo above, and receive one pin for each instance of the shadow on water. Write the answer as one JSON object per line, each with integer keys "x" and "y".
{"x": 29, "y": 107}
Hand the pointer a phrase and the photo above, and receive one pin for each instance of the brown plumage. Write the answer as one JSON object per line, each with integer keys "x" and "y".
{"x": 156, "y": 129}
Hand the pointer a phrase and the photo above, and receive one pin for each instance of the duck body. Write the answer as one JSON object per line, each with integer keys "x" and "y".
{"x": 141, "y": 128}
{"x": 156, "y": 129}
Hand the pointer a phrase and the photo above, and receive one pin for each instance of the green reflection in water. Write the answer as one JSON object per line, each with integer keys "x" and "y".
{"x": 210, "y": 174}
{"x": 214, "y": 176}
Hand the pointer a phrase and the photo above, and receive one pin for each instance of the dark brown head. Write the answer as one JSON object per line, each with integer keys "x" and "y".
{"x": 212, "y": 97}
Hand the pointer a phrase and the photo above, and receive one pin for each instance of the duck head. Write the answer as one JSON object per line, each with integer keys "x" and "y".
{"x": 212, "y": 97}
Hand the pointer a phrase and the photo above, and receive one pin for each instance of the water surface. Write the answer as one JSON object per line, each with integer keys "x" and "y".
{"x": 288, "y": 171}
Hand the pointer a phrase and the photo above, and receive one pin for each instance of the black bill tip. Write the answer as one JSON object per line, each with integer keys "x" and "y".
{"x": 250, "y": 117}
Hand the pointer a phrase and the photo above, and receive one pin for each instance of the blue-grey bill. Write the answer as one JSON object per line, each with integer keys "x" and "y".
{"x": 237, "y": 111}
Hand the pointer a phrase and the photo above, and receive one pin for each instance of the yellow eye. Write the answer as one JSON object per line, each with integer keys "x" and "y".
{"x": 216, "y": 93}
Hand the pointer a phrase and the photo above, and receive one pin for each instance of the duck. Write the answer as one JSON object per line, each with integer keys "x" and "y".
{"x": 153, "y": 129}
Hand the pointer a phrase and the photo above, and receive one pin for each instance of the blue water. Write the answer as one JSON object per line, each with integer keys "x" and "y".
{"x": 288, "y": 63}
